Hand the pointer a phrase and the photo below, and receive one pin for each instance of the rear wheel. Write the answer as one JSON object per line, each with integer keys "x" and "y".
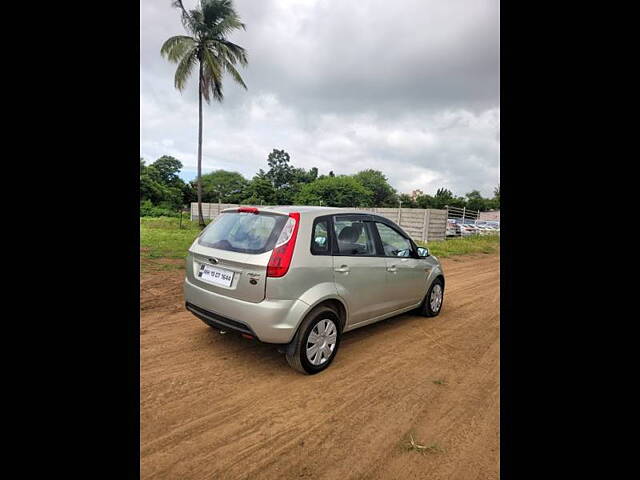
{"x": 317, "y": 341}
{"x": 432, "y": 303}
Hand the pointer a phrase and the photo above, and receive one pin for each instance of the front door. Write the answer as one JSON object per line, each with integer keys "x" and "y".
{"x": 359, "y": 274}
{"x": 406, "y": 276}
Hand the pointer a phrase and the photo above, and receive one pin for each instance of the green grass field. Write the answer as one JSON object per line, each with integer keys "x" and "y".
{"x": 464, "y": 246}
{"x": 162, "y": 237}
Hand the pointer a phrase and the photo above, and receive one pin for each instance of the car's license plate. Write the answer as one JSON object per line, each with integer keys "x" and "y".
{"x": 215, "y": 275}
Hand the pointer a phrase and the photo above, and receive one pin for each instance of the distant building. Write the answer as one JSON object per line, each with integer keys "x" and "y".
{"x": 416, "y": 193}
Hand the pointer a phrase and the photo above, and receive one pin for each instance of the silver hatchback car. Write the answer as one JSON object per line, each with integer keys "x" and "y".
{"x": 302, "y": 276}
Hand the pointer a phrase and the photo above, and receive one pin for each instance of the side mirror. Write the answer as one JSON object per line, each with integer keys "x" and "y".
{"x": 423, "y": 252}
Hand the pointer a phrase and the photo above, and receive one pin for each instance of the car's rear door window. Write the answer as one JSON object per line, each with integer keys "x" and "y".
{"x": 243, "y": 232}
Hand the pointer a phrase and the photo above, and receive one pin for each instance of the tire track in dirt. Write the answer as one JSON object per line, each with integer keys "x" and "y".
{"x": 216, "y": 406}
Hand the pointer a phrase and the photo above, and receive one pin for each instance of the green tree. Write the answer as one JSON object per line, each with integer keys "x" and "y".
{"x": 209, "y": 49}
{"x": 224, "y": 186}
{"x": 425, "y": 201}
{"x": 285, "y": 178}
{"x": 153, "y": 189}
{"x": 384, "y": 195}
{"x": 337, "y": 191}
{"x": 300, "y": 175}
{"x": 260, "y": 191}
{"x": 442, "y": 198}
{"x": 475, "y": 201}
{"x": 459, "y": 202}
{"x": 188, "y": 194}
{"x": 280, "y": 172}
{"x": 496, "y": 198}
{"x": 168, "y": 169}
{"x": 161, "y": 184}
{"x": 407, "y": 201}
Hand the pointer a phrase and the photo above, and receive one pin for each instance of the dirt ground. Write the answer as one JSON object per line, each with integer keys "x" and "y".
{"x": 223, "y": 407}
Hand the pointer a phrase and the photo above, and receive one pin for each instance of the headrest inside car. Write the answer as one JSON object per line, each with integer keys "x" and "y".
{"x": 348, "y": 234}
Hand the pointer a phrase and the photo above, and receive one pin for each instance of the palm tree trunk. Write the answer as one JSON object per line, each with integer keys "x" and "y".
{"x": 199, "y": 182}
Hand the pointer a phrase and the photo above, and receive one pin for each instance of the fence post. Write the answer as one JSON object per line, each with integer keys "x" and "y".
{"x": 463, "y": 211}
{"x": 425, "y": 227}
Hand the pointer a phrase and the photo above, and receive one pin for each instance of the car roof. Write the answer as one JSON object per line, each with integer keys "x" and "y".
{"x": 307, "y": 210}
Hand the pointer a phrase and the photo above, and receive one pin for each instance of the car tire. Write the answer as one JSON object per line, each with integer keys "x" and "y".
{"x": 326, "y": 321}
{"x": 429, "y": 307}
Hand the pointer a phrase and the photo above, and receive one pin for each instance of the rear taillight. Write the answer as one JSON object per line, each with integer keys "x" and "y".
{"x": 283, "y": 252}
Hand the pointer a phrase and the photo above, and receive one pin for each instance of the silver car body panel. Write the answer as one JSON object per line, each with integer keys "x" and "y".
{"x": 274, "y": 307}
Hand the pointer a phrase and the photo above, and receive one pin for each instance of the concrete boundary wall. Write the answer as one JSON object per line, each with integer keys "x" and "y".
{"x": 423, "y": 225}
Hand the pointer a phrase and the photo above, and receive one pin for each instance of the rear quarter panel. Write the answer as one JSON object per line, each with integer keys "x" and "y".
{"x": 310, "y": 277}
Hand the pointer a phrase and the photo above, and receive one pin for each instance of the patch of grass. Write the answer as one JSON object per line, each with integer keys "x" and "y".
{"x": 162, "y": 237}
{"x": 464, "y": 245}
{"x": 440, "y": 381}
{"x": 414, "y": 446}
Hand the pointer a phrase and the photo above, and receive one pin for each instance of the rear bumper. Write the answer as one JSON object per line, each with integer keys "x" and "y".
{"x": 270, "y": 321}
{"x": 218, "y": 321}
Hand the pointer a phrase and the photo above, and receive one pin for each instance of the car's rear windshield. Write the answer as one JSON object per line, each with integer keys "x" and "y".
{"x": 243, "y": 232}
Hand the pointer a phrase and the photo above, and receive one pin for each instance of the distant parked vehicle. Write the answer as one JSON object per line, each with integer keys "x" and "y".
{"x": 452, "y": 228}
{"x": 493, "y": 226}
{"x": 467, "y": 229}
{"x": 485, "y": 229}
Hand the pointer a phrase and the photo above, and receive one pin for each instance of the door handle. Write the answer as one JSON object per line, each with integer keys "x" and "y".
{"x": 342, "y": 269}
{"x": 392, "y": 268}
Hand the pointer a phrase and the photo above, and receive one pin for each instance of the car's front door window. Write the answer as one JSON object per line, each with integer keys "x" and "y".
{"x": 394, "y": 244}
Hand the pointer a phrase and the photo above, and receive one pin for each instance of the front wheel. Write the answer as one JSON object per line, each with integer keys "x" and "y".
{"x": 433, "y": 300}
{"x": 316, "y": 343}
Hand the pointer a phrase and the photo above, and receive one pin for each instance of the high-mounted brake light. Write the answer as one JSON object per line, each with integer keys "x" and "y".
{"x": 249, "y": 210}
{"x": 283, "y": 252}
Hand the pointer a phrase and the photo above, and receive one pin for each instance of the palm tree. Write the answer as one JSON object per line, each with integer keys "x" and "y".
{"x": 209, "y": 49}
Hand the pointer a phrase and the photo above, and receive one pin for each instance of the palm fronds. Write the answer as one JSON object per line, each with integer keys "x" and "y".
{"x": 209, "y": 24}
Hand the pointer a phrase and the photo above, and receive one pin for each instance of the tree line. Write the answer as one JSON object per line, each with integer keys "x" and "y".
{"x": 162, "y": 191}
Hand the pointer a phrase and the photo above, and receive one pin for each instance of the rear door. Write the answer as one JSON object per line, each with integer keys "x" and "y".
{"x": 406, "y": 275}
{"x": 231, "y": 255}
{"x": 359, "y": 273}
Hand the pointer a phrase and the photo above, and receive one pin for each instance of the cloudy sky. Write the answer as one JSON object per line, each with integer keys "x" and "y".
{"x": 409, "y": 87}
